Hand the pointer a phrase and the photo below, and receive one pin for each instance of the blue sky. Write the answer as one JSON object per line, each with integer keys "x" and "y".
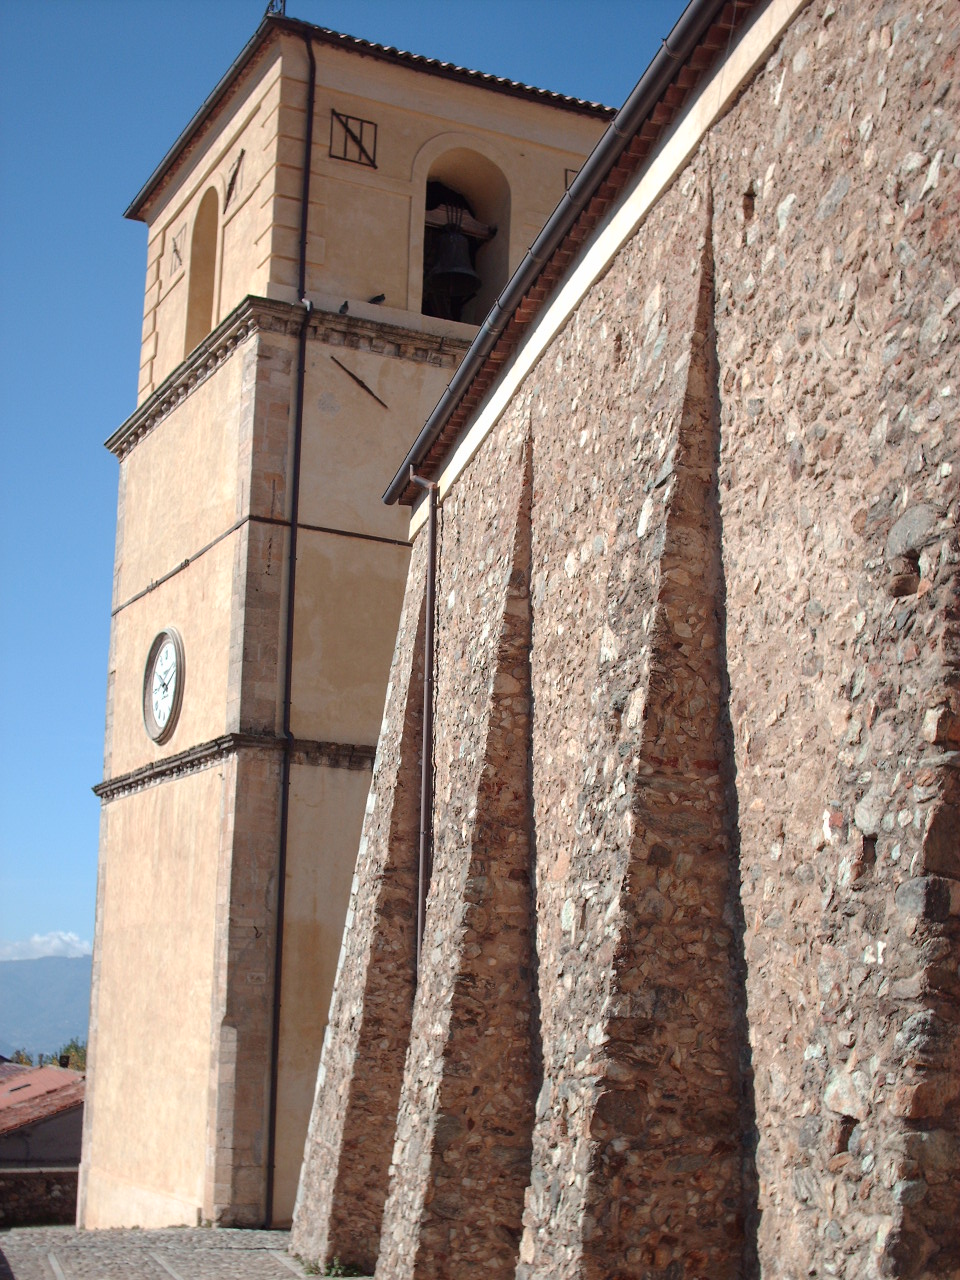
{"x": 92, "y": 94}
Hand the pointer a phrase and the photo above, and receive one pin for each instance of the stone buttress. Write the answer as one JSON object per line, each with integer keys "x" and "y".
{"x": 638, "y": 1148}
{"x": 631, "y": 1151}
{"x": 462, "y": 1155}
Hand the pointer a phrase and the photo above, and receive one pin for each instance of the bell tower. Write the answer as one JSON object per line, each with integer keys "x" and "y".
{"x": 288, "y": 359}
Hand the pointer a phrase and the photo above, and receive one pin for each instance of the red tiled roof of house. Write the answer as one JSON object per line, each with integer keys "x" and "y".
{"x": 37, "y": 1093}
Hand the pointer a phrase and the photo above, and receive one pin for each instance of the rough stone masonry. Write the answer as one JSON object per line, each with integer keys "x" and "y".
{"x": 690, "y": 1002}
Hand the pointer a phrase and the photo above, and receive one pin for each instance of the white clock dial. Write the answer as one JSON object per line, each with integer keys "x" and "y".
{"x": 163, "y": 684}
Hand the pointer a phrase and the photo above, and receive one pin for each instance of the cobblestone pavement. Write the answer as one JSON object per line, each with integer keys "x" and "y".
{"x": 63, "y": 1253}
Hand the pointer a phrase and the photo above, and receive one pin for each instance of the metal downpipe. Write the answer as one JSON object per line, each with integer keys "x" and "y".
{"x": 288, "y": 646}
{"x": 426, "y": 757}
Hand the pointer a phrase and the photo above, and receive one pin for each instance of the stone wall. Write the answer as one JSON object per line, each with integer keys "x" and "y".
{"x": 735, "y": 784}
{"x": 37, "y": 1197}
{"x": 836, "y": 188}
{"x": 466, "y": 1108}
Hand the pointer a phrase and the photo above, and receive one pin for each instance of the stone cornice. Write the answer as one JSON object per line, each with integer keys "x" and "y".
{"x": 266, "y": 315}
{"x": 335, "y": 755}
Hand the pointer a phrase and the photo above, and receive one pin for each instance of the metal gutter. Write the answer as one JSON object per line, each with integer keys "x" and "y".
{"x": 686, "y": 34}
{"x": 425, "y": 865}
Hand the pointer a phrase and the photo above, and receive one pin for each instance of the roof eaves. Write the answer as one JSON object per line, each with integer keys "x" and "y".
{"x": 42, "y": 1106}
{"x": 353, "y": 44}
{"x": 453, "y": 71}
{"x": 135, "y": 209}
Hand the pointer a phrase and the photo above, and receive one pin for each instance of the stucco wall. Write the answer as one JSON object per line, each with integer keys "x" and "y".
{"x": 368, "y": 223}
{"x": 182, "y": 482}
{"x": 326, "y": 810}
{"x": 145, "y": 1152}
{"x": 359, "y": 431}
{"x": 365, "y": 223}
{"x": 203, "y": 542}
{"x": 51, "y": 1142}
{"x": 198, "y": 604}
{"x": 241, "y": 262}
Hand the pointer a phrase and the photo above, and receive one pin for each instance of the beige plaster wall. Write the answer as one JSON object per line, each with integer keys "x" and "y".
{"x": 144, "y": 1159}
{"x": 223, "y": 453}
{"x": 352, "y": 444}
{"x": 349, "y": 593}
{"x": 365, "y": 224}
{"x": 197, "y": 602}
{"x": 182, "y": 483}
{"x": 246, "y": 124}
{"x": 326, "y": 811}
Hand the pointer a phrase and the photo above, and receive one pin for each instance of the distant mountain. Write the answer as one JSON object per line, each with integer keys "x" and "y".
{"x": 43, "y": 1003}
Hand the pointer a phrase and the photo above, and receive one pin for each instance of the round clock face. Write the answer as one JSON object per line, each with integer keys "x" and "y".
{"x": 163, "y": 684}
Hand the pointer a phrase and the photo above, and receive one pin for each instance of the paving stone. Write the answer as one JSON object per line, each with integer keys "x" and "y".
{"x": 63, "y": 1253}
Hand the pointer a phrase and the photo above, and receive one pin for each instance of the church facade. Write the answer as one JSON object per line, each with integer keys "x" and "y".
{"x": 686, "y": 1002}
{"x": 297, "y": 330}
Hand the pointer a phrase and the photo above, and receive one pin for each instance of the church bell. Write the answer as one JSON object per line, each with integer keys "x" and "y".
{"x": 452, "y": 281}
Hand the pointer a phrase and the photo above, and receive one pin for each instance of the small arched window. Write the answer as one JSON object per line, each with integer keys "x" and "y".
{"x": 202, "y": 271}
{"x": 466, "y": 236}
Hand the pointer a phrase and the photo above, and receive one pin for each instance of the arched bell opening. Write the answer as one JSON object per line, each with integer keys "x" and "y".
{"x": 203, "y": 269}
{"x": 466, "y": 236}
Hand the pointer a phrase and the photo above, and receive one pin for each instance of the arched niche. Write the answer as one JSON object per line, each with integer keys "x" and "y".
{"x": 202, "y": 270}
{"x": 485, "y": 195}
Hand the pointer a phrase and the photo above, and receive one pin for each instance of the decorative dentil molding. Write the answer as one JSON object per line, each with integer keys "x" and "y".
{"x": 266, "y": 315}
{"x": 334, "y": 755}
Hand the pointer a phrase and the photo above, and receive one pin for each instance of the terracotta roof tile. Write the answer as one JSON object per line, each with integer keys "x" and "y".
{"x": 37, "y": 1093}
